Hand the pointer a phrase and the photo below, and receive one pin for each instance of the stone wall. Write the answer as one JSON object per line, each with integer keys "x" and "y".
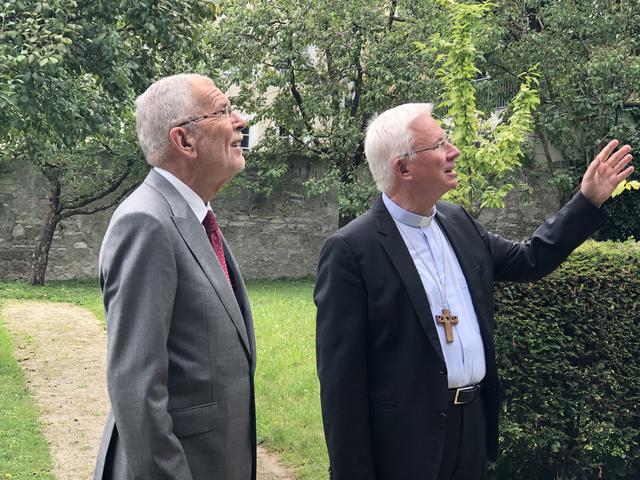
{"x": 273, "y": 237}
{"x": 525, "y": 213}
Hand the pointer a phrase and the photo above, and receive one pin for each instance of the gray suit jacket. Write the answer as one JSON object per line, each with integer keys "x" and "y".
{"x": 181, "y": 348}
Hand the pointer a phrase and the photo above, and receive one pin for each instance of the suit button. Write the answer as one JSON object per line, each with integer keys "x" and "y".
{"x": 443, "y": 416}
{"x": 443, "y": 369}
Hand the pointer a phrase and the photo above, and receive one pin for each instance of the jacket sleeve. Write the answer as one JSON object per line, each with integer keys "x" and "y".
{"x": 341, "y": 335}
{"x": 138, "y": 278}
{"x": 549, "y": 245}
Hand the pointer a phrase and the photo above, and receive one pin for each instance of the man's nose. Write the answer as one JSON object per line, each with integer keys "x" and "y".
{"x": 452, "y": 151}
{"x": 238, "y": 120}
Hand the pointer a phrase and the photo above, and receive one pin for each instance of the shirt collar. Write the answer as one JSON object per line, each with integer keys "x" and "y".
{"x": 196, "y": 204}
{"x": 404, "y": 216}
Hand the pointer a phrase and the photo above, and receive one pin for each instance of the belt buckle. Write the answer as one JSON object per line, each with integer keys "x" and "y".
{"x": 455, "y": 400}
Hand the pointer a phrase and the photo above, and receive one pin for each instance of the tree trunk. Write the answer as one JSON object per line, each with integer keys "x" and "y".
{"x": 40, "y": 256}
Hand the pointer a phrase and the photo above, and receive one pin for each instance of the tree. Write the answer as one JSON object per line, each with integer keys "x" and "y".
{"x": 316, "y": 72}
{"x": 491, "y": 150}
{"x": 589, "y": 57}
{"x": 68, "y": 73}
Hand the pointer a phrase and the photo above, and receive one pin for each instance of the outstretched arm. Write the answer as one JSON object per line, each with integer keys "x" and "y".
{"x": 605, "y": 173}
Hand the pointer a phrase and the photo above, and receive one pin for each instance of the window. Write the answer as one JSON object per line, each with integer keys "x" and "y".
{"x": 245, "y": 138}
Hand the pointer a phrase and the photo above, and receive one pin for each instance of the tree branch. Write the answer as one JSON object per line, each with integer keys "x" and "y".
{"x": 503, "y": 68}
{"x": 306, "y": 145}
{"x": 359, "y": 76}
{"x": 392, "y": 13}
{"x": 293, "y": 88}
{"x": 548, "y": 158}
{"x": 79, "y": 211}
{"x": 50, "y": 171}
{"x": 81, "y": 202}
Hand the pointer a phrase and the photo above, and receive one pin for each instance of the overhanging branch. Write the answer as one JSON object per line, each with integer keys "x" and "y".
{"x": 88, "y": 211}
{"x": 359, "y": 77}
{"x": 81, "y": 202}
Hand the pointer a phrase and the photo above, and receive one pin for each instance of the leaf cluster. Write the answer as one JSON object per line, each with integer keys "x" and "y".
{"x": 568, "y": 361}
{"x": 69, "y": 71}
{"x": 589, "y": 58}
{"x": 491, "y": 146}
{"x": 316, "y": 73}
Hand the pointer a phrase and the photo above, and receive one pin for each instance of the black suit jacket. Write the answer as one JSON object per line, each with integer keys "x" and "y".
{"x": 382, "y": 373}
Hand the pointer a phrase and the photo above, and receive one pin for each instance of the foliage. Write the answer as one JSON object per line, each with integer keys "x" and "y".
{"x": 24, "y": 453}
{"x": 50, "y": 49}
{"x": 626, "y": 185}
{"x": 321, "y": 71}
{"x": 588, "y": 52}
{"x": 316, "y": 72}
{"x": 490, "y": 150}
{"x": 568, "y": 361}
{"x": 68, "y": 73}
{"x": 624, "y": 220}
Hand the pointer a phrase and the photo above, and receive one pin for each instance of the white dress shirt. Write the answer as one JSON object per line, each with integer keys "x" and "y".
{"x": 196, "y": 204}
{"x": 431, "y": 251}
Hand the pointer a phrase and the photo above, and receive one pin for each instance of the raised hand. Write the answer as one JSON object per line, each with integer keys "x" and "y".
{"x": 605, "y": 172}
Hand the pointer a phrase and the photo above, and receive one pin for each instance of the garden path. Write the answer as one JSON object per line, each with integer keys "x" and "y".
{"x": 62, "y": 351}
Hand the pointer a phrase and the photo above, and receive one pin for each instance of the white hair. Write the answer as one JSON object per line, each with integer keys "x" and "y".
{"x": 165, "y": 103}
{"x": 388, "y": 137}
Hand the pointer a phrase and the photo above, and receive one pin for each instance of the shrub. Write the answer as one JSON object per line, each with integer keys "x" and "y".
{"x": 569, "y": 361}
{"x": 625, "y": 216}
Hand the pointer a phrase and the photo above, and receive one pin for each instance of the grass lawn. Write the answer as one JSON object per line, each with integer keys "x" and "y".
{"x": 24, "y": 453}
{"x": 287, "y": 391}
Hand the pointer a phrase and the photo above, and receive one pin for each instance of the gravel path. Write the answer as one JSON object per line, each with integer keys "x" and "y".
{"x": 62, "y": 350}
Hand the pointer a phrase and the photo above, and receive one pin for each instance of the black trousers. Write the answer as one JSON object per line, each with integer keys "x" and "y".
{"x": 465, "y": 454}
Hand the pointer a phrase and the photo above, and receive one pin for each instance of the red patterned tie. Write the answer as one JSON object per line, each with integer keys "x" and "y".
{"x": 215, "y": 237}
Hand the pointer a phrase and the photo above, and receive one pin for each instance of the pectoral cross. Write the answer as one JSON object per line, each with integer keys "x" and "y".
{"x": 447, "y": 320}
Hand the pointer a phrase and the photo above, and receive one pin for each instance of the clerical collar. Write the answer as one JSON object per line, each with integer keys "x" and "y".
{"x": 403, "y": 216}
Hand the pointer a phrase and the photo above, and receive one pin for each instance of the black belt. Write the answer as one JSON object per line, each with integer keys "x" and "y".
{"x": 463, "y": 395}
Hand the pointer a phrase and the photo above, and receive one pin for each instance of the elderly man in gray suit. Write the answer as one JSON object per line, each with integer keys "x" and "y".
{"x": 181, "y": 347}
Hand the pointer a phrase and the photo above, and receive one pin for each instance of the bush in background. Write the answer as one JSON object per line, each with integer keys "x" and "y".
{"x": 624, "y": 222}
{"x": 569, "y": 361}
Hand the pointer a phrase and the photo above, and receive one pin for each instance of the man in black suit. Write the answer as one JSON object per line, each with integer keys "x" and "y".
{"x": 405, "y": 348}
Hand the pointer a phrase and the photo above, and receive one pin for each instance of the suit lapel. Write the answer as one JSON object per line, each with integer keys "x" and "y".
{"x": 195, "y": 238}
{"x": 399, "y": 255}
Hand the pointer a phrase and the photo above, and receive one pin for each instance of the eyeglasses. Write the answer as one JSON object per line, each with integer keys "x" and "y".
{"x": 227, "y": 111}
{"x": 438, "y": 145}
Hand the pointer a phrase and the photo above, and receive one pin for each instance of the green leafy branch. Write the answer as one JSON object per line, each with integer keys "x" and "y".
{"x": 491, "y": 148}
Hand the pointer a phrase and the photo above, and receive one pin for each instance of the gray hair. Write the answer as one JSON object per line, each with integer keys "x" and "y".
{"x": 389, "y": 136}
{"x": 165, "y": 103}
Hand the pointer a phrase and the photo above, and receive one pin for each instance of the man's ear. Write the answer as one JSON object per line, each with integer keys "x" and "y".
{"x": 182, "y": 141}
{"x": 399, "y": 168}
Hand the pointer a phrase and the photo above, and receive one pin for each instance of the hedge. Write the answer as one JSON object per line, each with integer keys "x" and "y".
{"x": 568, "y": 352}
{"x": 624, "y": 221}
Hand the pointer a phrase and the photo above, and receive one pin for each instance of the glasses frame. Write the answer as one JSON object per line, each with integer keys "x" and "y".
{"x": 227, "y": 111}
{"x": 438, "y": 145}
